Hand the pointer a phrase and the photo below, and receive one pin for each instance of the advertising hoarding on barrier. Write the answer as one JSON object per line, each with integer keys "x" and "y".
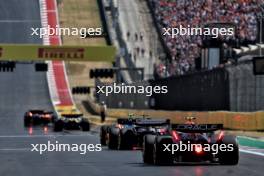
{"x": 65, "y": 53}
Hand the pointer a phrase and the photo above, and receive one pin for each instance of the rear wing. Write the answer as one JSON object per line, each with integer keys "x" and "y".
{"x": 124, "y": 121}
{"x": 152, "y": 122}
{"x": 196, "y": 128}
{"x": 36, "y": 111}
{"x": 48, "y": 112}
{"x": 71, "y": 115}
{"x": 143, "y": 121}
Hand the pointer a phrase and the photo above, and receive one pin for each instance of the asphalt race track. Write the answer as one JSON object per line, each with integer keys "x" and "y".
{"x": 24, "y": 89}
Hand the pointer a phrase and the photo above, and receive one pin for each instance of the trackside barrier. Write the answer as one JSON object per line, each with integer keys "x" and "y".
{"x": 248, "y": 121}
{"x": 105, "y": 23}
{"x": 25, "y": 52}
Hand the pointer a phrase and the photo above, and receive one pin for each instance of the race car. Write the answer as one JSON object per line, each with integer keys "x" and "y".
{"x": 71, "y": 121}
{"x": 202, "y": 143}
{"x": 128, "y": 133}
{"x": 36, "y": 116}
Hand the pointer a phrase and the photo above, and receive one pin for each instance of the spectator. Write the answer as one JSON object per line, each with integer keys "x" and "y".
{"x": 103, "y": 111}
{"x": 128, "y": 35}
{"x": 141, "y": 36}
{"x": 136, "y": 36}
{"x": 184, "y": 49}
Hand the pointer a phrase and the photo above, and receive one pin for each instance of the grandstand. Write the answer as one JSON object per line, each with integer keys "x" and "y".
{"x": 183, "y": 50}
{"x": 166, "y": 56}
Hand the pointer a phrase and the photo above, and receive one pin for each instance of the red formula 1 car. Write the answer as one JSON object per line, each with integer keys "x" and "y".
{"x": 191, "y": 143}
{"x": 35, "y": 117}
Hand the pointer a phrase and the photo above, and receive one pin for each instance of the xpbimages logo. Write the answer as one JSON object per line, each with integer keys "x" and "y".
{"x": 65, "y": 31}
{"x": 131, "y": 89}
{"x": 191, "y": 31}
{"x": 191, "y": 147}
{"x": 60, "y": 147}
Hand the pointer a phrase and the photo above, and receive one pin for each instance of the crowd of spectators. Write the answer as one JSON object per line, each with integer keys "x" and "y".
{"x": 196, "y": 13}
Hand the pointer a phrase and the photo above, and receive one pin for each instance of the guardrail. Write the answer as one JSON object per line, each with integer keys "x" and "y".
{"x": 104, "y": 22}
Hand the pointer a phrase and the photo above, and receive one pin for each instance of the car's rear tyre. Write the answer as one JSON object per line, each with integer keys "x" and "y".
{"x": 161, "y": 157}
{"x": 27, "y": 121}
{"x": 113, "y": 138}
{"x": 53, "y": 118}
{"x": 58, "y": 126}
{"x": 103, "y": 134}
{"x": 229, "y": 157}
{"x": 85, "y": 126}
{"x": 125, "y": 139}
{"x": 148, "y": 144}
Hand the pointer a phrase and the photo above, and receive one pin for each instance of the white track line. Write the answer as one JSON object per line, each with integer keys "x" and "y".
{"x": 45, "y": 136}
{"x": 251, "y": 152}
{"x": 26, "y": 136}
{"x": 18, "y": 21}
{"x": 15, "y": 149}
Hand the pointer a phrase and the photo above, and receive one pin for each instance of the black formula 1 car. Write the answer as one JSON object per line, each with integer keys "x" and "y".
{"x": 191, "y": 143}
{"x": 34, "y": 117}
{"x": 128, "y": 133}
{"x": 74, "y": 121}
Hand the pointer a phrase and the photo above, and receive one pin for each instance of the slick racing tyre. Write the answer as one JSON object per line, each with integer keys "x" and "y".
{"x": 229, "y": 157}
{"x": 58, "y": 126}
{"x": 125, "y": 139}
{"x": 103, "y": 135}
{"x": 27, "y": 121}
{"x": 85, "y": 125}
{"x": 113, "y": 138}
{"x": 148, "y": 144}
{"x": 161, "y": 157}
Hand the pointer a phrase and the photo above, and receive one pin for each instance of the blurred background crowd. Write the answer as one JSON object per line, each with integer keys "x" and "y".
{"x": 197, "y": 13}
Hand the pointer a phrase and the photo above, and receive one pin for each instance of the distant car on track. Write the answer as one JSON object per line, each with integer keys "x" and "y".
{"x": 75, "y": 121}
{"x": 128, "y": 133}
{"x": 157, "y": 148}
{"x": 37, "y": 116}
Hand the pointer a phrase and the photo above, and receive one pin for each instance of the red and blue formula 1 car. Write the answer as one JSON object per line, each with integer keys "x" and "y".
{"x": 191, "y": 143}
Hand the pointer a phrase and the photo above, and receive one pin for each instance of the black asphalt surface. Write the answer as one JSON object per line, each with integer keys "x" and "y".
{"x": 24, "y": 89}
